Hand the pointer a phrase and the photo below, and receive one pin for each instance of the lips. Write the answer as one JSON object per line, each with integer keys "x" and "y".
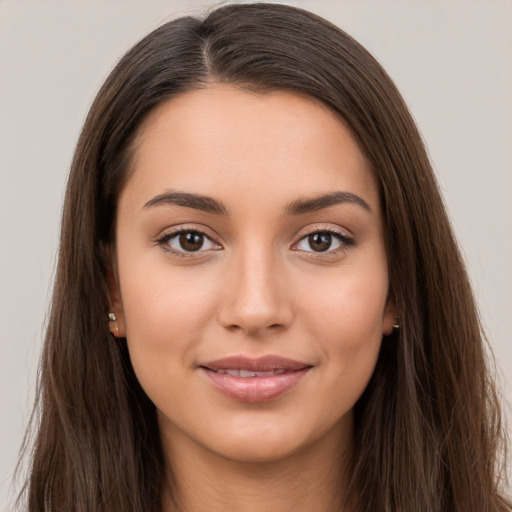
{"x": 254, "y": 380}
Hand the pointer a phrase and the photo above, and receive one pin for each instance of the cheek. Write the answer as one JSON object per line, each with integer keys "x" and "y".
{"x": 351, "y": 304}
{"x": 165, "y": 311}
{"x": 156, "y": 297}
{"x": 346, "y": 322}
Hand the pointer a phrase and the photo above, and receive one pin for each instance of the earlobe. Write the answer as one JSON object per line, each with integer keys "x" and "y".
{"x": 391, "y": 318}
{"x": 116, "y": 323}
{"x": 115, "y": 311}
{"x": 113, "y": 325}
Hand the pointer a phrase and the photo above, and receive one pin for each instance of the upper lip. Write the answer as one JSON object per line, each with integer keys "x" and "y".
{"x": 261, "y": 364}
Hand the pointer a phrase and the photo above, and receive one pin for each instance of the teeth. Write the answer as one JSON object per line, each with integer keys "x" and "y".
{"x": 248, "y": 373}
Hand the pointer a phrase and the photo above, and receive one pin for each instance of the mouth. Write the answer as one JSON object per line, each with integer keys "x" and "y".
{"x": 254, "y": 380}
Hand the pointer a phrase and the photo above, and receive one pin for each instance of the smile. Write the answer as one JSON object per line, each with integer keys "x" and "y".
{"x": 254, "y": 380}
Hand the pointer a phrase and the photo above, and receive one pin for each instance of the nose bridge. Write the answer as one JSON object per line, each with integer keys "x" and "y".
{"x": 254, "y": 298}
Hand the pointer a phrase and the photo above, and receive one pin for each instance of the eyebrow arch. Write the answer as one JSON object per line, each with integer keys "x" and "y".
{"x": 196, "y": 201}
{"x": 301, "y": 206}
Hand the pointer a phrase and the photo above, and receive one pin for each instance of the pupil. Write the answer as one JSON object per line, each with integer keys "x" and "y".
{"x": 191, "y": 241}
{"x": 320, "y": 242}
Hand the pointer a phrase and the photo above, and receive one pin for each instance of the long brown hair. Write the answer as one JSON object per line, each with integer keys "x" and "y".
{"x": 427, "y": 428}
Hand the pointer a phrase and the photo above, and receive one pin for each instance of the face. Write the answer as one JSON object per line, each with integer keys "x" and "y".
{"x": 251, "y": 270}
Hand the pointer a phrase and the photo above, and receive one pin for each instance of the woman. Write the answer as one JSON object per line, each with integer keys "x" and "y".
{"x": 259, "y": 302}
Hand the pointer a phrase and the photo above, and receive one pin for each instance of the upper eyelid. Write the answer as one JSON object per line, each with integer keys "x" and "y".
{"x": 175, "y": 230}
{"x": 323, "y": 229}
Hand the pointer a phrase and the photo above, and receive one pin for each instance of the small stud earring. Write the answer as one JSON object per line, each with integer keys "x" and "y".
{"x": 113, "y": 325}
{"x": 396, "y": 325}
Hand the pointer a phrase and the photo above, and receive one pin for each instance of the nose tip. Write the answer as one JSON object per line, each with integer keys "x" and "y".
{"x": 255, "y": 300}
{"x": 253, "y": 320}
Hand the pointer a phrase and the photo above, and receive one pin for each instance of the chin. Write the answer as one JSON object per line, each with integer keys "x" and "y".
{"x": 268, "y": 440}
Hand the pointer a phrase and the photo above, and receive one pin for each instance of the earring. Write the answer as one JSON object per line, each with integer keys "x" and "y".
{"x": 396, "y": 325}
{"x": 113, "y": 325}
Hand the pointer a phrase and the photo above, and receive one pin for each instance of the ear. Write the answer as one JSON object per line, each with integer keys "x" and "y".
{"x": 391, "y": 316}
{"x": 117, "y": 325}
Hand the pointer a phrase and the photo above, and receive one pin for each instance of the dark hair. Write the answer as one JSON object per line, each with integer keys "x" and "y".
{"x": 427, "y": 428}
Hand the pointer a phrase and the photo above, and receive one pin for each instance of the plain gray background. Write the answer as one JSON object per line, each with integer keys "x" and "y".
{"x": 450, "y": 59}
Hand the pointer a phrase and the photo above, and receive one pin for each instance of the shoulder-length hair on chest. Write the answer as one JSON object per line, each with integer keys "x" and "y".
{"x": 427, "y": 427}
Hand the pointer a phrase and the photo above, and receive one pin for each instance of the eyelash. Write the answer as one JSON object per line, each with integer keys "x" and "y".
{"x": 164, "y": 240}
{"x": 345, "y": 243}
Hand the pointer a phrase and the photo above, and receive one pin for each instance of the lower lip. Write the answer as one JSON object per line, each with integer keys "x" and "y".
{"x": 255, "y": 389}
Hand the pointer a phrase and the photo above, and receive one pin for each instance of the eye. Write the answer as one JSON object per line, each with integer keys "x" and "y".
{"x": 187, "y": 241}
{"x": 324, "y": 241}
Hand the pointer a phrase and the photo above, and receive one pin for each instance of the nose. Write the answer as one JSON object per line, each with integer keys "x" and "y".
{"x": 255, "y": 298}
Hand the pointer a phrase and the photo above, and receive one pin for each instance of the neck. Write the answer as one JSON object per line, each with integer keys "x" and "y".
{"x": 312, "y": 480}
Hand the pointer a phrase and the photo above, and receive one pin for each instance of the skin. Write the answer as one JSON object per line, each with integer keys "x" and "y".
{"x": 257, "y": 286}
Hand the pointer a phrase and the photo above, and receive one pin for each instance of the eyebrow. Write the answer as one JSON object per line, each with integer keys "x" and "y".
{"x": 196, "y": 201}
{"x": 302, "y": 206}
{"x": 298, "y": 207}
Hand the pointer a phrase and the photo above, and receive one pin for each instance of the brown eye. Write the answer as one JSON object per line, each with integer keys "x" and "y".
{"x": 320, "y": 242}
{"x": 183, "y": 242}
{"x": 324, "y": 241}
{"x": 191, "y": 241}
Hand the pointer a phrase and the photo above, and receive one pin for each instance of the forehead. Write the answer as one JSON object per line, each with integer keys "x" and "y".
{"x": 274, "y": 145}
